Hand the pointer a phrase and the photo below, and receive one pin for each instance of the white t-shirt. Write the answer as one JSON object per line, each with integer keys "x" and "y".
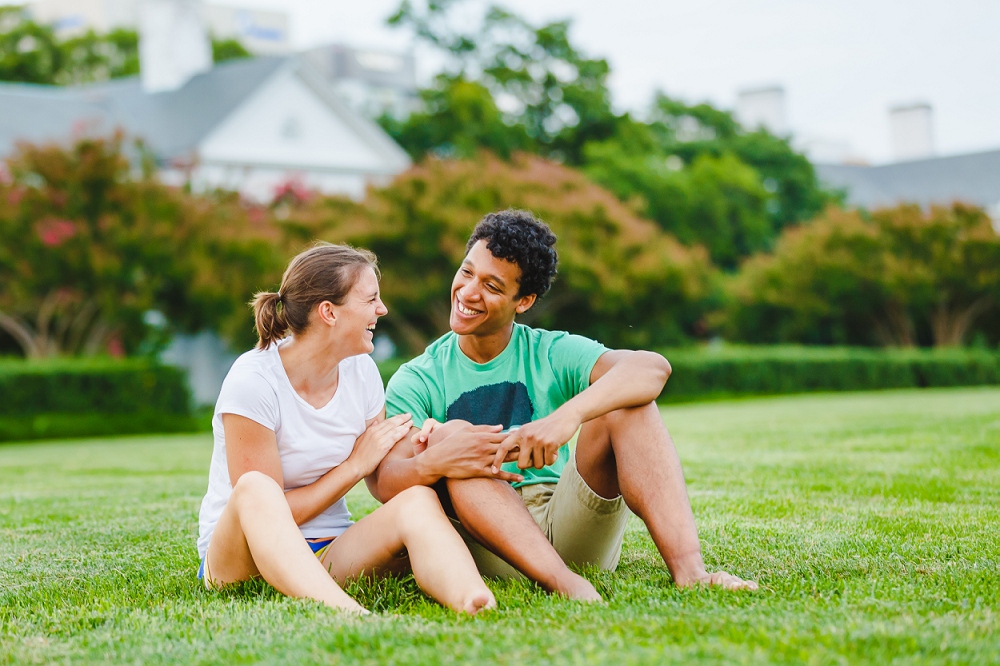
{"x": 311, "y": 441}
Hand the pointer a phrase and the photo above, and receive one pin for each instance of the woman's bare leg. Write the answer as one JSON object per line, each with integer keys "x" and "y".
{"x": 257, "y": 536}
{"x": 412, "y": 522}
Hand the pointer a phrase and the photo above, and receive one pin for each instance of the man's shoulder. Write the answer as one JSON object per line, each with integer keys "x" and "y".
{"x": 425, "y": 365}
{"x": 542, "y": 338}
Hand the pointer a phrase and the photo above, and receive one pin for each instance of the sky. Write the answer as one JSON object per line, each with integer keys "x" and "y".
{"x": 842, "y": 63}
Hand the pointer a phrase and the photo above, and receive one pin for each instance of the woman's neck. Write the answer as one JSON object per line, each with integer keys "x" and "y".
{"x": 312, "y": 367}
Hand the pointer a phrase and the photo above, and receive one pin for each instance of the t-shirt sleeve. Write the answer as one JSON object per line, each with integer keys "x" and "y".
{"x": 246, "y": 392}
{"x": 374, "y": 392}
{"x": 573, "y": 358}
{"x": 406, "y": 392}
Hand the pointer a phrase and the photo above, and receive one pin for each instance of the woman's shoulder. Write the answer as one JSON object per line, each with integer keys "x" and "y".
{"x": 362, "y": 366}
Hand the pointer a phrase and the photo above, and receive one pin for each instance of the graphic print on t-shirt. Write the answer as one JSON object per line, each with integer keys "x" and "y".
{"x": 506, "y": 403}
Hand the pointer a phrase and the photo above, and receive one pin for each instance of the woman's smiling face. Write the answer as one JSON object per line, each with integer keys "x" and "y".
{"x": 357, "y": 316}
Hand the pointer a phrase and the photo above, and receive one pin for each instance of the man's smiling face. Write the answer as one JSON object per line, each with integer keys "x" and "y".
{"x": 484, "y": 292}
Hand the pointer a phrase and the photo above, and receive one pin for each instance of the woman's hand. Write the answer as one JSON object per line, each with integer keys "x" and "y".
{"x": 376, "y": 441}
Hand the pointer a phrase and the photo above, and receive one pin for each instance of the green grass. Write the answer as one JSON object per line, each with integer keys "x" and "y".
{"x": 870, "y": 519}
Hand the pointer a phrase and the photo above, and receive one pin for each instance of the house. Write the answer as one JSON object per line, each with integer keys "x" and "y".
{"x": 248, "y": 125}
{"x": 972, "y": 178}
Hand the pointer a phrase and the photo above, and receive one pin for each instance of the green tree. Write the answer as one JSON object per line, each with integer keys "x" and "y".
{"x": 31, "y": 52}
{"x": 546, "y": 87}
{"x": 901, "y": 277}
{"x": 621, "y": 279}
{"x": 691, "y": 168}
{"x": 459, "y": 119}
{"x": 87, "y": 249}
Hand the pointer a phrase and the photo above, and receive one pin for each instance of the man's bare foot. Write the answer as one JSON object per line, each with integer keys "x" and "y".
{"x": 726, "y": 581}
{"x": 576, "y": 587}
{"x": 480, "y": 601}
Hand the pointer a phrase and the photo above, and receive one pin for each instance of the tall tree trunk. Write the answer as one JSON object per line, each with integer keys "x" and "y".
{"x": 895, "y": 327}
{"x": 950, "y": 325}
{"x": 21, "y": 334}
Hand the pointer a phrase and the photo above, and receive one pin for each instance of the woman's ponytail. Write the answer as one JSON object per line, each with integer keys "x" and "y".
{"x": 269, "y": 318}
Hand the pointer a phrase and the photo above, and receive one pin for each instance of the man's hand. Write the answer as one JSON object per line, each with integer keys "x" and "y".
{"x": 465, "y": 451}
{"x": 537, "y": 443}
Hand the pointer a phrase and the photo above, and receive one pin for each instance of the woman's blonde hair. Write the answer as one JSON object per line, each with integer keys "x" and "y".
{"x": 324, "y": 272}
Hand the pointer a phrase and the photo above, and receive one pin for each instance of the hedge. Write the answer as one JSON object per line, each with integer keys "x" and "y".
{"x": 90, "y": 397}
{"x": 731, "y": 371}
{"x": 709, "y": 373}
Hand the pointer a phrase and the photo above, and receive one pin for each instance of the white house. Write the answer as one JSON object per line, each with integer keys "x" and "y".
{"x": 247, "y": 125}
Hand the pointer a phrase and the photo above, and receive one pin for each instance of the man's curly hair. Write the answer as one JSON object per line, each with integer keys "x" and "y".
{"x": 517, "y": 236}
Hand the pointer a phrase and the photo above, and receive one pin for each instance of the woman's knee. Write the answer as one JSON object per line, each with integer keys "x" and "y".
{"x": 416, "y": 505}
{"x": 253, "y": 487}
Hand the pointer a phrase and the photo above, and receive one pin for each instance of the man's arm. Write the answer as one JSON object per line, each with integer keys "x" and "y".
{"x": 456, "y": 450}
{"x": 620, "y": 379}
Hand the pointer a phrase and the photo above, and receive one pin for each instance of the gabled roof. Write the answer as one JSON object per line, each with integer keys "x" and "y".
{"x": 172, "y": 123}
{"x": 972, "y": 178}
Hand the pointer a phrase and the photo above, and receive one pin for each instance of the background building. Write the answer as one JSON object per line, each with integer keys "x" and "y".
{"x": 260, "y": 31}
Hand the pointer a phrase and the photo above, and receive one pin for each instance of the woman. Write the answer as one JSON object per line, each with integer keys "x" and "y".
{"x": 299, "y": 421}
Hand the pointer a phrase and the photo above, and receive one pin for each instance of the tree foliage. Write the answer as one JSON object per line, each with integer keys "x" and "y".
{"x": 509, "y": 85}
{"x": 901, "y": 277}
{"x": 621, "y": 279}
{"x": 31, "y": 52}
{"x": 89, "y": 245}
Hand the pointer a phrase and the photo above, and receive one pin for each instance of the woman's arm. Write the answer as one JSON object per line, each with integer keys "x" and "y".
{"x": 251, "y": 446}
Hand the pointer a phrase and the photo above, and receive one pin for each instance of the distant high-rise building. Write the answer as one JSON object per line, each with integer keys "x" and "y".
{"x": 763, "y": 108}
{"x": 261, "y": 32}
{"x": 173, "y": 44}
{"x": 911, "y": 131}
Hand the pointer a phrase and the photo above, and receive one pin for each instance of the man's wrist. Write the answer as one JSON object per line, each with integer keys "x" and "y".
{"x": 427, "y": 466}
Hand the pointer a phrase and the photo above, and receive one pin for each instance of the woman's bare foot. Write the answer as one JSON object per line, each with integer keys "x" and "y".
{"x": 480, "y": 601}
{"x": 726, "y": 581}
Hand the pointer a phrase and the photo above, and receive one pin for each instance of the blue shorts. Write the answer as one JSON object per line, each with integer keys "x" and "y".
{"x": 318, "y": 546}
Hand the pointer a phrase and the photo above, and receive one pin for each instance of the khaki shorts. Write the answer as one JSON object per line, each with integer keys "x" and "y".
{"x": 585, "y": 528}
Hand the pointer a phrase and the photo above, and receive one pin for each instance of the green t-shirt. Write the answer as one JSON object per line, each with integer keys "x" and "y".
{"x": 537, "y": 372}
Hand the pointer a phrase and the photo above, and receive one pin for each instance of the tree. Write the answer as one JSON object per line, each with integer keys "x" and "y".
{"x": 509, "y": 85}
{"x": 88, "y": 247}
{"x": 459, "y": 119}
{"x": 546, "y": 87}
{"x": 32, "y": 53}
{"x": 621, "y": 279}
{"x": 901, "y": 277}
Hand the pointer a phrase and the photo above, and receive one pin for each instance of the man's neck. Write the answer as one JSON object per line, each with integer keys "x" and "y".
{"x": 485, "y": 348}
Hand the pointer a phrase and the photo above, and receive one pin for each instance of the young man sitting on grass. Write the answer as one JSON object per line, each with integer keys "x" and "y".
{"x": 492, "y": 392}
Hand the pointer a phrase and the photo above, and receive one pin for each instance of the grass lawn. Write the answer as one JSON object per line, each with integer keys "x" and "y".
{"x": 870, "y": 520}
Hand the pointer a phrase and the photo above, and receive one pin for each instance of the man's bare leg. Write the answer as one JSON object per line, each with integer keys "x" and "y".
{"x": 494, "y": 514}
{"x": 629, "y": 452}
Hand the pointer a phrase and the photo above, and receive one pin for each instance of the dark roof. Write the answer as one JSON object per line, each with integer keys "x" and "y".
{"x": 173, "y": 123}
{"x": 972, "y": 178}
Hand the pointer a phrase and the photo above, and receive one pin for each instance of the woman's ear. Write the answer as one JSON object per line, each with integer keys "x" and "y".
{"x": 326, "y": 312}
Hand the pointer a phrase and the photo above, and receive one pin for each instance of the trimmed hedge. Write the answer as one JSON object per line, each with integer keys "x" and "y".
{"x": 709, "y": 373}
{"x": 90, "y": 397}
{"x": 729, "y": 371}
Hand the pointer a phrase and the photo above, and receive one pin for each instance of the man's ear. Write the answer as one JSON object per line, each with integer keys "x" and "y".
{"x": 524, "y": 303}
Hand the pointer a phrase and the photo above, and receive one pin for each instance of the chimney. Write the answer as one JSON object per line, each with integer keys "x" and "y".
{"x": 173, "y": 43}
{"x": 762, "y": 108}
{"x": 910, "y": 128}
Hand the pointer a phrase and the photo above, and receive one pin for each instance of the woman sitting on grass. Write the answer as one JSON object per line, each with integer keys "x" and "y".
{"x": 300, "y": 420}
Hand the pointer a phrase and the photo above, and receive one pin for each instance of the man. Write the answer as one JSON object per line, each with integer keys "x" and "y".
{"x": 492, "y": 391}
